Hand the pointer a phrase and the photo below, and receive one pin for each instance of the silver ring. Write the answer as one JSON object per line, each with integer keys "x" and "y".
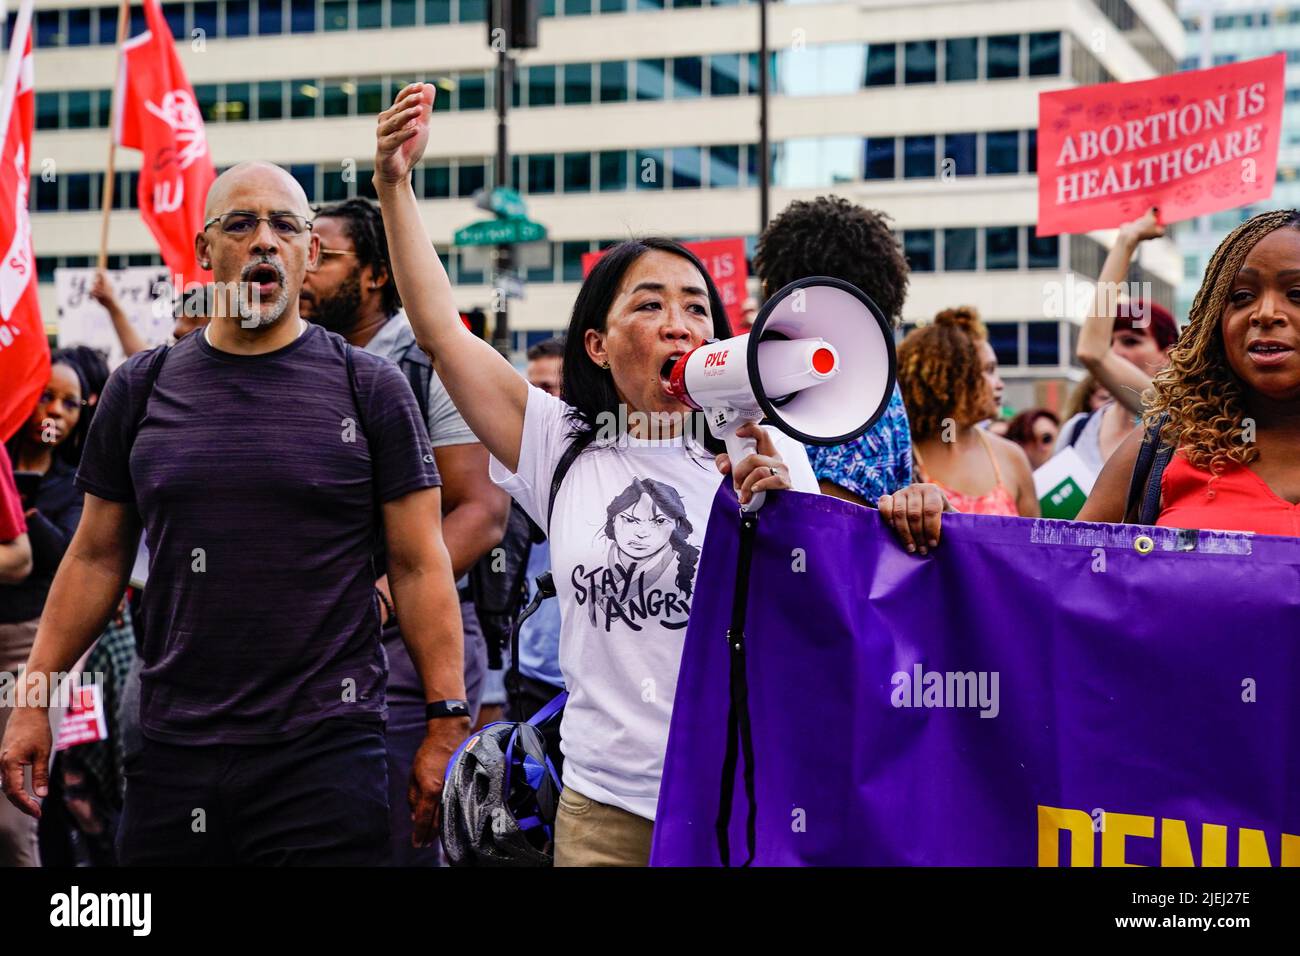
{"x": 772, "y": 470}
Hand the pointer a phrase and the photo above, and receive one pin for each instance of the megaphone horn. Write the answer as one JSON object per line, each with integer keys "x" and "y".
{"x": 819, "y": 364}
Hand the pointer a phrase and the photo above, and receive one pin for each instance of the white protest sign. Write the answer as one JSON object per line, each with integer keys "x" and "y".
{"x": 143, "y": 292}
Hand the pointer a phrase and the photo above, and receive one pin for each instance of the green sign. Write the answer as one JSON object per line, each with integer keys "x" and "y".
{"x": 503, "y": 201}
{"x": 1063, "y": 501}
{"x": 498, "y": 232}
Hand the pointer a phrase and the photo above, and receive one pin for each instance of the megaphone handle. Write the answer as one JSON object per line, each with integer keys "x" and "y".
{"x": 738, "y": 449}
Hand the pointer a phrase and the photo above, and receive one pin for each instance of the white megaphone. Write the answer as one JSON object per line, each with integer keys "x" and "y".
{"x": 818, "y": 364}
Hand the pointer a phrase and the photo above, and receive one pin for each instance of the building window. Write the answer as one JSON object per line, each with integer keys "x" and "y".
{"x": 649, "y": 170}
{"x": 724, "y": 74}
{"x": 402, "y": 13}
{"x": 1044, "y": 252}
{"x": 613, "y": 82}
{"x": 959, "y": 250}
{"x": 437, "y": 181}
{"x": 1044, "y": 54}
{"x": 204, "y": 17}
{"x": 1005, "y": 339}
{"x": 961, "y": 60}
{"x": 302, "y": 100}
{"x": 880, "y": 158}
{"x": 270, "y": 100}
{"x": 650, "y": 79}
{"x": 1002, "y": 247}
{"x": 78, "y": 27}
{"x": 688, "y": 77}
{"x": 920, "y": 61}
{"x": 472, "y": 90}
{"x": 960, "y": 148}
{"x": 1031, "y": 151}
{"x": 472, "y": 11}
{"x": 1004, "y": 56}
{"x": 687, "y": 171}
{"x": 1002, "y": 153}
{"x": 1044, "y": 342}
{"x": 541, "y": 174}
{"x": 174, "y": 14}
{"x": 541, "y": 86}
{"x": 335, "y": 100}
{"x": 613, "y": 170}
{"x": 334, "y": 15}
{"x": 918, "y": 246}
{"x": 302, "y": 16}
{"x": 577, "y": 83}
{"x": 882, "y": 64}
{"x": 472, "y": 176}
{"x": 577, "y": 172}
{"x": 437, "y": 11}
{"x": 269, "y": 17}
{"x": 918, "y": 157}
{"x": 238, "y": 18}
{"x": 724, "y": 166}
{"x": 370, "y": 14}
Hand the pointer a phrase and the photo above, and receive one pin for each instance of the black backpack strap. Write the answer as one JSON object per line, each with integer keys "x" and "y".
{"x": 418, "y": 370}
{"x": 1143, "y": 504}
{"x": 576, "y": 448}
{"x": 150, "y": 380}
{"x": 1078, "y": 428}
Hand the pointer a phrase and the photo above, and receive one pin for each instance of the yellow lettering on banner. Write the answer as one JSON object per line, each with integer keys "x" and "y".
{"x": 1290, "y": 850}
{"x": 1252, "y": 848}
{"x": 1214, "y": 845}
{"x": 1051, "y": 821}
{"x": 1175, "y": 847}
{"x": 1118, "y": 826}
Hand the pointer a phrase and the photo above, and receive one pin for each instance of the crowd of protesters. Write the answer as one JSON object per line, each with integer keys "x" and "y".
{"x": 324, "y": 475}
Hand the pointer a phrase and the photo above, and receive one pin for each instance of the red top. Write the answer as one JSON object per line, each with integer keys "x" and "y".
{"x": 1239, "y": 500}
{"x": 12, "y": 523}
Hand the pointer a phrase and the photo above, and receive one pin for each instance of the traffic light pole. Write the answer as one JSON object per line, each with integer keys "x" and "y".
{"x": 504, "y": 252}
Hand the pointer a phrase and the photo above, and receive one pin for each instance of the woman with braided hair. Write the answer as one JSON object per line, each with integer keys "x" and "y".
{"x": 1230, "y": 398}
{"x": 948, "y": 373}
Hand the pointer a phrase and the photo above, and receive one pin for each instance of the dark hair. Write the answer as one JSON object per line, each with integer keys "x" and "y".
{"x": 587, "y": 387}
{"x": 830, "y": 236}
{"x": 1021, "y": 429}
{"x": 69, "y": 450}
{"x": 551, "y": 348}
{"x": 1156, "y": 320}
{"x": 365, "y": 227}
{"x": 668, "y": 501}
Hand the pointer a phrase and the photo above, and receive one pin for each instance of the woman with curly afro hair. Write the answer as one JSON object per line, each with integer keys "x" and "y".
{"x": 949, "y": 376}
{"x": 1230, "y": 398}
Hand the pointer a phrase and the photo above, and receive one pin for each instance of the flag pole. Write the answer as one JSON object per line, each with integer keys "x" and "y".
{"x": 110, "y": 175}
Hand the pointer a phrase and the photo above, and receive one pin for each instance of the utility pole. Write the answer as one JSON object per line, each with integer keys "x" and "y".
{"x": 504, "y": 252}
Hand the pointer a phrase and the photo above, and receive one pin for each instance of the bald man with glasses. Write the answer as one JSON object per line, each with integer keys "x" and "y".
{"x": 265, "y": 460}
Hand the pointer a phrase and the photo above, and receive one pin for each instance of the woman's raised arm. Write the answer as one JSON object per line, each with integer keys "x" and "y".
{"x": 488, "y": 392}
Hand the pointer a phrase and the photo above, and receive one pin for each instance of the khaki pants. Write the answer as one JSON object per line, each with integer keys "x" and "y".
{"x": 588, "y": 833}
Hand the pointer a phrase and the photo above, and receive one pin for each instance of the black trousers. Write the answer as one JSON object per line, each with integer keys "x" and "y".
{"x": 320, "y": 799}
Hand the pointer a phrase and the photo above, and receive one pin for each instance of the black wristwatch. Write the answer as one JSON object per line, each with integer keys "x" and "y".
{"x": 446, "y": 708}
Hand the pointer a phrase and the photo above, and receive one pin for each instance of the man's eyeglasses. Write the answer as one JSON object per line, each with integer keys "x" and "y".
{"x": 336, "y": 252}
{"x": 69, "y": 405}
{"x": 285, "y": 224}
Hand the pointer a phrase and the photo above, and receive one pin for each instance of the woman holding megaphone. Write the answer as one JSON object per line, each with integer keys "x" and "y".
{"x": 627, "y": 521}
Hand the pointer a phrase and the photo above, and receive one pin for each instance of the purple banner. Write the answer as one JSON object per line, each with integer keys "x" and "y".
{"x": 1032, "y": 693}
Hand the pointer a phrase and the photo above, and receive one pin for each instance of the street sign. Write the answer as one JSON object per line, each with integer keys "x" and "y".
{"x": 497, "y": 232}
{"x": 503, "y": 201}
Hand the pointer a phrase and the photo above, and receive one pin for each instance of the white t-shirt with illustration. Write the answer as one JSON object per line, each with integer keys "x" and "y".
{"x": 629, "y": 523}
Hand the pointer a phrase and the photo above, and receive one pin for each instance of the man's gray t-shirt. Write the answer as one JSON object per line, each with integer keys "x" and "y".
{"x": 258, "y": 479}
{"x": 445, "y": 424}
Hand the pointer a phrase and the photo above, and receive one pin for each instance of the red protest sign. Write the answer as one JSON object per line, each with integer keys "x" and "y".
{"x": 1192, "y": 143}
{"x": 725, "y": 260}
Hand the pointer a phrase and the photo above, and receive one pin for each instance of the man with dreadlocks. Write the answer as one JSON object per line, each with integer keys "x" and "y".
{"x": 352, "y": 293}
{"x": 1229, "y": 403}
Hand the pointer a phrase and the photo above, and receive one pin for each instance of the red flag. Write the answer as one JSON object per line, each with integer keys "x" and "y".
{"x": 157, "y": 114}
{"x": 24, "y": 352}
